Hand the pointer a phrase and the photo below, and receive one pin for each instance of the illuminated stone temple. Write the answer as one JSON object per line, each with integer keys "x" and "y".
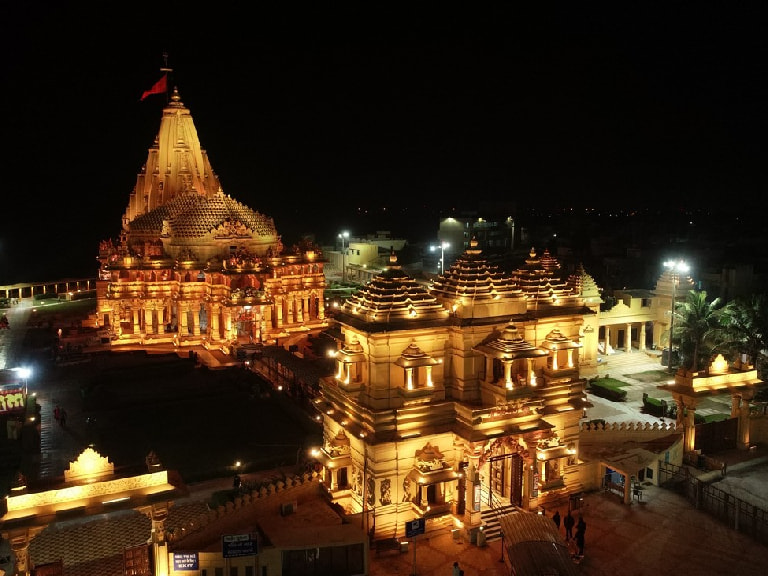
{"x": 456, "y": 396}
{"x": 193, "y": 266}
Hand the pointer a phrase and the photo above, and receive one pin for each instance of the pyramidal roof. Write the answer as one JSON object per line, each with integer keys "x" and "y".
{"x": 539, "y": 277}
{"x": 584, "y": 285}
{"x": 393, "y": 296}
{"x": 472, "y": 276}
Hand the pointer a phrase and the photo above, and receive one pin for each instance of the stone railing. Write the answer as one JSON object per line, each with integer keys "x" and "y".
{"x": 267, "y": 497}
{"x": 622, "y": 431}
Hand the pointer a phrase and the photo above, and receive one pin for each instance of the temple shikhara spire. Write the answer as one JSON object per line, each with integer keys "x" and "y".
{"x": 194, "y": 266}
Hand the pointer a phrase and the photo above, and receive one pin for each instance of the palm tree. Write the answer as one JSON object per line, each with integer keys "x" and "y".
{"x": 745, "y": 325}
{"x": 697, "y": 329}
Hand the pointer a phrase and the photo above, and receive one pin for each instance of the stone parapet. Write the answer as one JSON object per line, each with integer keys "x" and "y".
{"x": 624, "y": 431}
{"x": 266, "y": 498}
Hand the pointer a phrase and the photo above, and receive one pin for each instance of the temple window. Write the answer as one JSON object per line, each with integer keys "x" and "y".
{"x": 417, "y": 368}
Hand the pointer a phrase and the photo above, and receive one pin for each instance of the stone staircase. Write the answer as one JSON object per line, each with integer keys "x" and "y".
{"x": 490, "y": 520}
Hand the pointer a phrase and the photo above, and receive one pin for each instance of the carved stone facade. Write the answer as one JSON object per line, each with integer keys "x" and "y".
{"x": 456, "y": 394}
{"x": 194, "y": 266}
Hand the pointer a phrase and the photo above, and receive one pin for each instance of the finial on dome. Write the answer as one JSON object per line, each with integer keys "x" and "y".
{"x": 392, "y": 257}
{"x": 175, "y": 96}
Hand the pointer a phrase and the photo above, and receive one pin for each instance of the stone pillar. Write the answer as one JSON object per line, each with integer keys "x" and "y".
{"x": 507, "y": 373}
{"x": 20, "y": 547}
{"x": 607, "y": 339}
{"x": 195, "y": 307}
{"x": 158, "y": 514}
{"x": 183, "y": 330}
{"x": 136, "y": 321}
{"x": 686, "y": 416}
{"x": 641, "y": 342}
{"x": 214, "y": 323}
{"x": 628, "y": 338}
{"x": 161, "y": 318}
{"x": 228, "y": 323}
{"x": 429, "y": 377}
{"x": 570, "y": 357}
{"x": 489, "y": 370}
{"x": 627, "y": 489}
{"x": 740, "y": 408}
{"x": 148, "y": 324}
{"x": 531, "y": 372}
{"x": 303, "y": 306}
{"x": 472, "y": 509}
{"x": 321, "y": 307}
{"x": 279, "y": 311}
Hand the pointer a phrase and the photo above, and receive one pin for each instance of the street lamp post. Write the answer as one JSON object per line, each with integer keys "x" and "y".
{"x": 443, "y": 245}
{"x": 677, "y": 267}
{"x": 343, "y": 236}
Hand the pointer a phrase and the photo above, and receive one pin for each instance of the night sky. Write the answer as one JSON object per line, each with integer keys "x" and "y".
{"x": 377, "y": 117}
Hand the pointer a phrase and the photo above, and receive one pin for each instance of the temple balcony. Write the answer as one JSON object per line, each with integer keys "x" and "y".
{"x": 416, "y": 393}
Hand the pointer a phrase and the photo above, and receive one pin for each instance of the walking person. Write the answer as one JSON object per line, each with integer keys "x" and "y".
{"x": 568, "y": 522}
{"x": 556, "y": 518}
{"x": 581, "y": 528}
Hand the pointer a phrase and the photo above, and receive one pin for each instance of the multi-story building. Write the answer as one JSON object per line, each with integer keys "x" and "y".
{"x": 449, "y": 397}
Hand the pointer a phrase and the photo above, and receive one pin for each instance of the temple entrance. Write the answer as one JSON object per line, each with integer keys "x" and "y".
{"x": 343, "y": 479}
{"x": 507, "y": 477}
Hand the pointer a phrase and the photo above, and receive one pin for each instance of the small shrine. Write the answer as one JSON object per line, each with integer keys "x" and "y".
{"x": 690, "y": 387}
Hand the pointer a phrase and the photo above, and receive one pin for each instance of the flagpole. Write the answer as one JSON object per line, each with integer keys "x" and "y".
{"x": 165, "y": 69}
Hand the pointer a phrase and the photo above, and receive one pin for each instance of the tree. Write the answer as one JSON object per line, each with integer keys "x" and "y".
{"x": 745, "y": 327}
{"x": 697, "y": 330}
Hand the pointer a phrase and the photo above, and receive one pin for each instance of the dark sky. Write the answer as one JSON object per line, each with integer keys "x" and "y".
{"x": 369, "y": 117}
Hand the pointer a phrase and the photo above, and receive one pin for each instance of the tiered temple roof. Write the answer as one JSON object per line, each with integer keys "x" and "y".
{"x": 584, "y": 285}
{"x": 472, "y": 282}
{"x": 510, "y": 345}
{"x": 393, "y": 296}
{"x": 547, "y": 293}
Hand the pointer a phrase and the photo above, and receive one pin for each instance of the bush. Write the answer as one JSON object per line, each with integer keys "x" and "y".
{"x": 605, "y": 389}
{"x": 654, "y": 406}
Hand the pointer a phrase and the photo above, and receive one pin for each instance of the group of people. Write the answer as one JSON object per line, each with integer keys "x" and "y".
{"x": 575, "y": 542}
{"x": 60, "y": 415}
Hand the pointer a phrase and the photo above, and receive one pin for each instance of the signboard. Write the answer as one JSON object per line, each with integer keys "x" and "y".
{"x": 186, "y": 561}
{"x": 12, "y": 398}
{"x": 415, "y": 527}
{"x": 236, "y": 545}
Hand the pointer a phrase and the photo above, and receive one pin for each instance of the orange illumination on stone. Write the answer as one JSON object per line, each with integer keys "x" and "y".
{"x": 89, "y": 466}
{"x": 719, "y": 365}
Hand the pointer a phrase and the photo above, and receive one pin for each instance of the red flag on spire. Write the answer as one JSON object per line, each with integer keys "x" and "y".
{"x": 160, "y": 87}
